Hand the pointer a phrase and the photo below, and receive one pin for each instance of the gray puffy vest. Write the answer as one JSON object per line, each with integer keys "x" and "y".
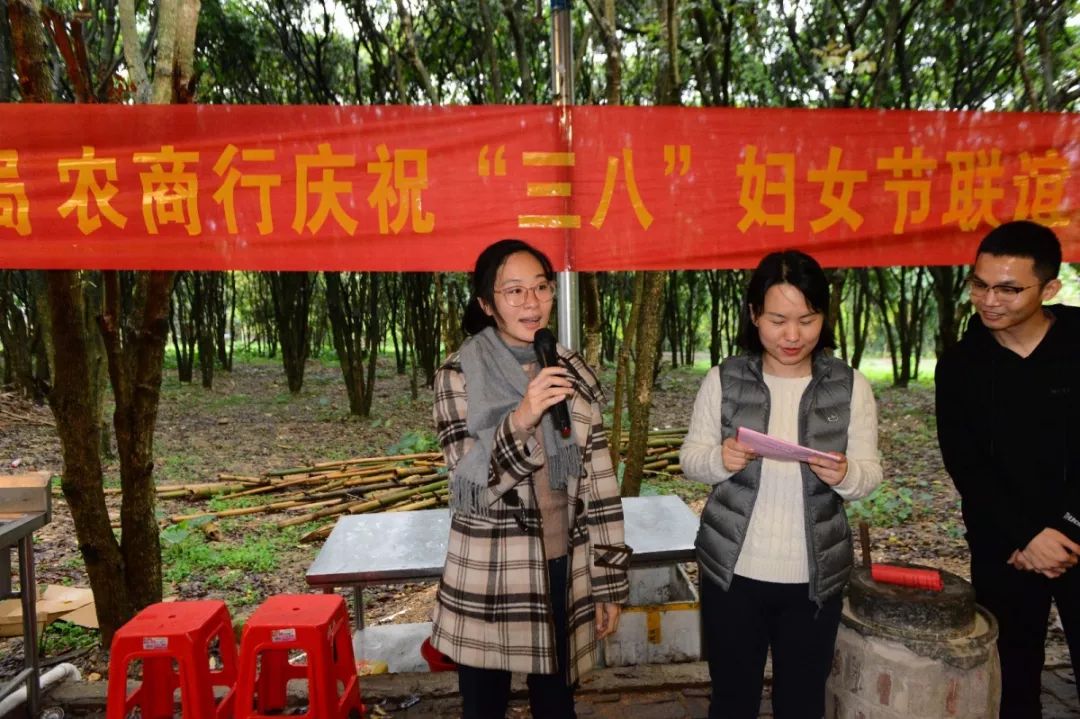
{"x": 824, "y": 415}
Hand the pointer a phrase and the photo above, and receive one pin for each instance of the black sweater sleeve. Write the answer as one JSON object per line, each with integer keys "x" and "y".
{"x": 990, "y": 512}
{"x": 1069, "y": 522}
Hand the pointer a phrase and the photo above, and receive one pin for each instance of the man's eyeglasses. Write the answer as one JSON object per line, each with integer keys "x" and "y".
{"x": 515, "y": 296}
{"x": 978, "y": 288}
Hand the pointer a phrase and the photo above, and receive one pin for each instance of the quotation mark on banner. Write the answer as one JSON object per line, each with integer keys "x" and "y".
{"x": 483, "y": 163}
{"x": 669, "y": 159}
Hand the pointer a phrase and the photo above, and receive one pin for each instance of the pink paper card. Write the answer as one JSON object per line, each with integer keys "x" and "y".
{"x": 774, "y": 448}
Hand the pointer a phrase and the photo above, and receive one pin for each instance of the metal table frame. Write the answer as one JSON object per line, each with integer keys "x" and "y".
{"x": 396, "y": 547}
{"x": 20, "y": 531}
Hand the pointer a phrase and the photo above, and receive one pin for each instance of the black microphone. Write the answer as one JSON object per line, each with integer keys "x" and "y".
{"x": 544, "y": 345}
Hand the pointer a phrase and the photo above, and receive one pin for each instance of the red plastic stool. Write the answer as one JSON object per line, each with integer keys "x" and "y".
{"x": 174, "y": 641}
{"x": 318, "y": 625}
{"x": 437, "y": 661}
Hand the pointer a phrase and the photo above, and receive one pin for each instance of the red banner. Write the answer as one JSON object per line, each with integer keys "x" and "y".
{"x": 599, "y": 188}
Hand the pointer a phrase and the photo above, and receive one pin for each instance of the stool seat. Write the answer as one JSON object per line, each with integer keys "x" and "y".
{"x": 302, "y": 610}
{"x": 172, "y": 618}
{"x": 298, "y": 637}
{"x": 175, "y": 643}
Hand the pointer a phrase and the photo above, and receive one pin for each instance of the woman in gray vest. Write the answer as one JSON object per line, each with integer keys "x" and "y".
{"x": 774, "y": 546}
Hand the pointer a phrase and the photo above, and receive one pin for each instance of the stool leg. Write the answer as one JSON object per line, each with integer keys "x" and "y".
{"x": 273, "y": 680}
{"x": 322, "y": 690}
{"x": 345, "y": 670}
{"x": 159, "y": 682}
{"x": 197, "y": 687}
{"x": 116, "y": 706}
{"x": 226, "y": 676}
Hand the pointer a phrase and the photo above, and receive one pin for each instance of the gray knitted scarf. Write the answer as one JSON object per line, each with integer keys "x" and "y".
{"x": 494, "y": 385}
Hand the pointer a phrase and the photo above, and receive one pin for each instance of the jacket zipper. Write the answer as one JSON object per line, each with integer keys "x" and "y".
{"x": 808, "y": 522}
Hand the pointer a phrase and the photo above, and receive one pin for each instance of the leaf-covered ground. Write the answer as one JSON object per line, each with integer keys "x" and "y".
{"x": 249, "y": 423}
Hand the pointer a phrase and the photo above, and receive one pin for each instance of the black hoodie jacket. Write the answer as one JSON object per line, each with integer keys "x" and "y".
{"x": 1009, "y": 429}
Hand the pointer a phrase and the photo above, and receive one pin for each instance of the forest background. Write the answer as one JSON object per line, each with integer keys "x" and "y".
{"x": 130, "y": 380}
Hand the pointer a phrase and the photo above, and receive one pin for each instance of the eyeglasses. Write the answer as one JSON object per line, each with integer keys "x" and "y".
{"x": 515, "y": 296}
{"x": 978, "y": 288}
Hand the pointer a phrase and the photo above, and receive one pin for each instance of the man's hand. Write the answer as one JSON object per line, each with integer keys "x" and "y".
{"x": 607, "y": 619}
{"x": 1050, "y": 552}
{"x": 1019, "y": 560}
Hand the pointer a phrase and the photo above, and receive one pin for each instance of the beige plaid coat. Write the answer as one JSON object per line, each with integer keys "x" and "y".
{"x": 492, "y": 609}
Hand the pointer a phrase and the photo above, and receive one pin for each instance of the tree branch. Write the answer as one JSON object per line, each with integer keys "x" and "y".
{"x": 1021, "y": 56}
{"x": 414, "y": 53}
{"x": 133, "y": 55}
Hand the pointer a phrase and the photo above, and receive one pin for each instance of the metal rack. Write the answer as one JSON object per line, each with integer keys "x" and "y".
{"x": 25, "y": 506}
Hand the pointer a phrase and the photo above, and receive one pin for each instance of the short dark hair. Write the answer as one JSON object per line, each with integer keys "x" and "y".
{"x": 482, "y": 280}
{"x": 789, "y": 267}
{"x": 1022, "y": 238}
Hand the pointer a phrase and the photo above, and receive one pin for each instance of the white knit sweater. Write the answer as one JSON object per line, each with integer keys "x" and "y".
{"x": 775, "y": 546}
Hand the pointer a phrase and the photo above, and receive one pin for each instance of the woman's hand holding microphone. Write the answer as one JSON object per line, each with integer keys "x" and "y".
{"x": 550, "y": 386}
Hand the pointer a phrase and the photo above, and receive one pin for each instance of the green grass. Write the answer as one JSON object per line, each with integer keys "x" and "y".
{"x": 187, "y": 553}
{"x": 60, "y": 637}
{"x": 893, "y": 503}
{"x": 888, "y": 506}
{"x": 222, "y": 503}
{"x": 73, "y": 563}
{"x": 178, "y": 468}
{"x": 415, "y": 442}
{"x": 228, "y": 400}
{"x": 879, "y": 371}
{"x": 386, "y": 371}
{"x": 685, "y": 489}
{"x": 876, "y": 369}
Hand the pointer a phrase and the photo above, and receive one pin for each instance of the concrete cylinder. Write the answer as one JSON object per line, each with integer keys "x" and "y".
{"x": 904, "y": 653}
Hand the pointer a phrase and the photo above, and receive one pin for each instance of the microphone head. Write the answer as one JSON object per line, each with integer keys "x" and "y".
{"x": 544, "y": 338}
{"x": 544, "y": 346}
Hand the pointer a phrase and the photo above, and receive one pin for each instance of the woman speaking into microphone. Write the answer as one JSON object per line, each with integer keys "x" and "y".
{"x": 536, "y": 565}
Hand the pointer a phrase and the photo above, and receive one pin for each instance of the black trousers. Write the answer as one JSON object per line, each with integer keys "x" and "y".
{"x": 743, "y": 623}
{"x": 1021, "y": 602}
{"x": 485, "y": 693}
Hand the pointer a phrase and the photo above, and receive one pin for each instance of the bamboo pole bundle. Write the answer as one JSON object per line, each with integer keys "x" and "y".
{"x": 321, "y": 466}
{"x": 421, "y": 504}
{"x": 341, "y": 508}
{"x": 401, "y": 472}
{"x": 397, "y": 483}
{"x": 392, "y": 497}
{"x": 318, "y": 534}
{"x": 296, "y": 500}
{"x": 317, "y": 479}
{"x": 243, "y": 479}
{"x": 210, "y": 489}
{"x": 418, "y": 479}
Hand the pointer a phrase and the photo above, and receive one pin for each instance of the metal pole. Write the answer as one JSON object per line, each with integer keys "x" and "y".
{"x": 562, "y": 96}
{"x": 28, "y": 590}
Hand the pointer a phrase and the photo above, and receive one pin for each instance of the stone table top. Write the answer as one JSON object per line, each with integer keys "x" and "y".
{"x": 390, "y": 547}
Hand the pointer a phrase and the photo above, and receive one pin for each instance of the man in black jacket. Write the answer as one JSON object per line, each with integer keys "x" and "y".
{"x": 1008, "y": 413}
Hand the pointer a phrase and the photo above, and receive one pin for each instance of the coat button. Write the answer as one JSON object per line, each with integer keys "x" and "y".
{"x": 580, "y": 506}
